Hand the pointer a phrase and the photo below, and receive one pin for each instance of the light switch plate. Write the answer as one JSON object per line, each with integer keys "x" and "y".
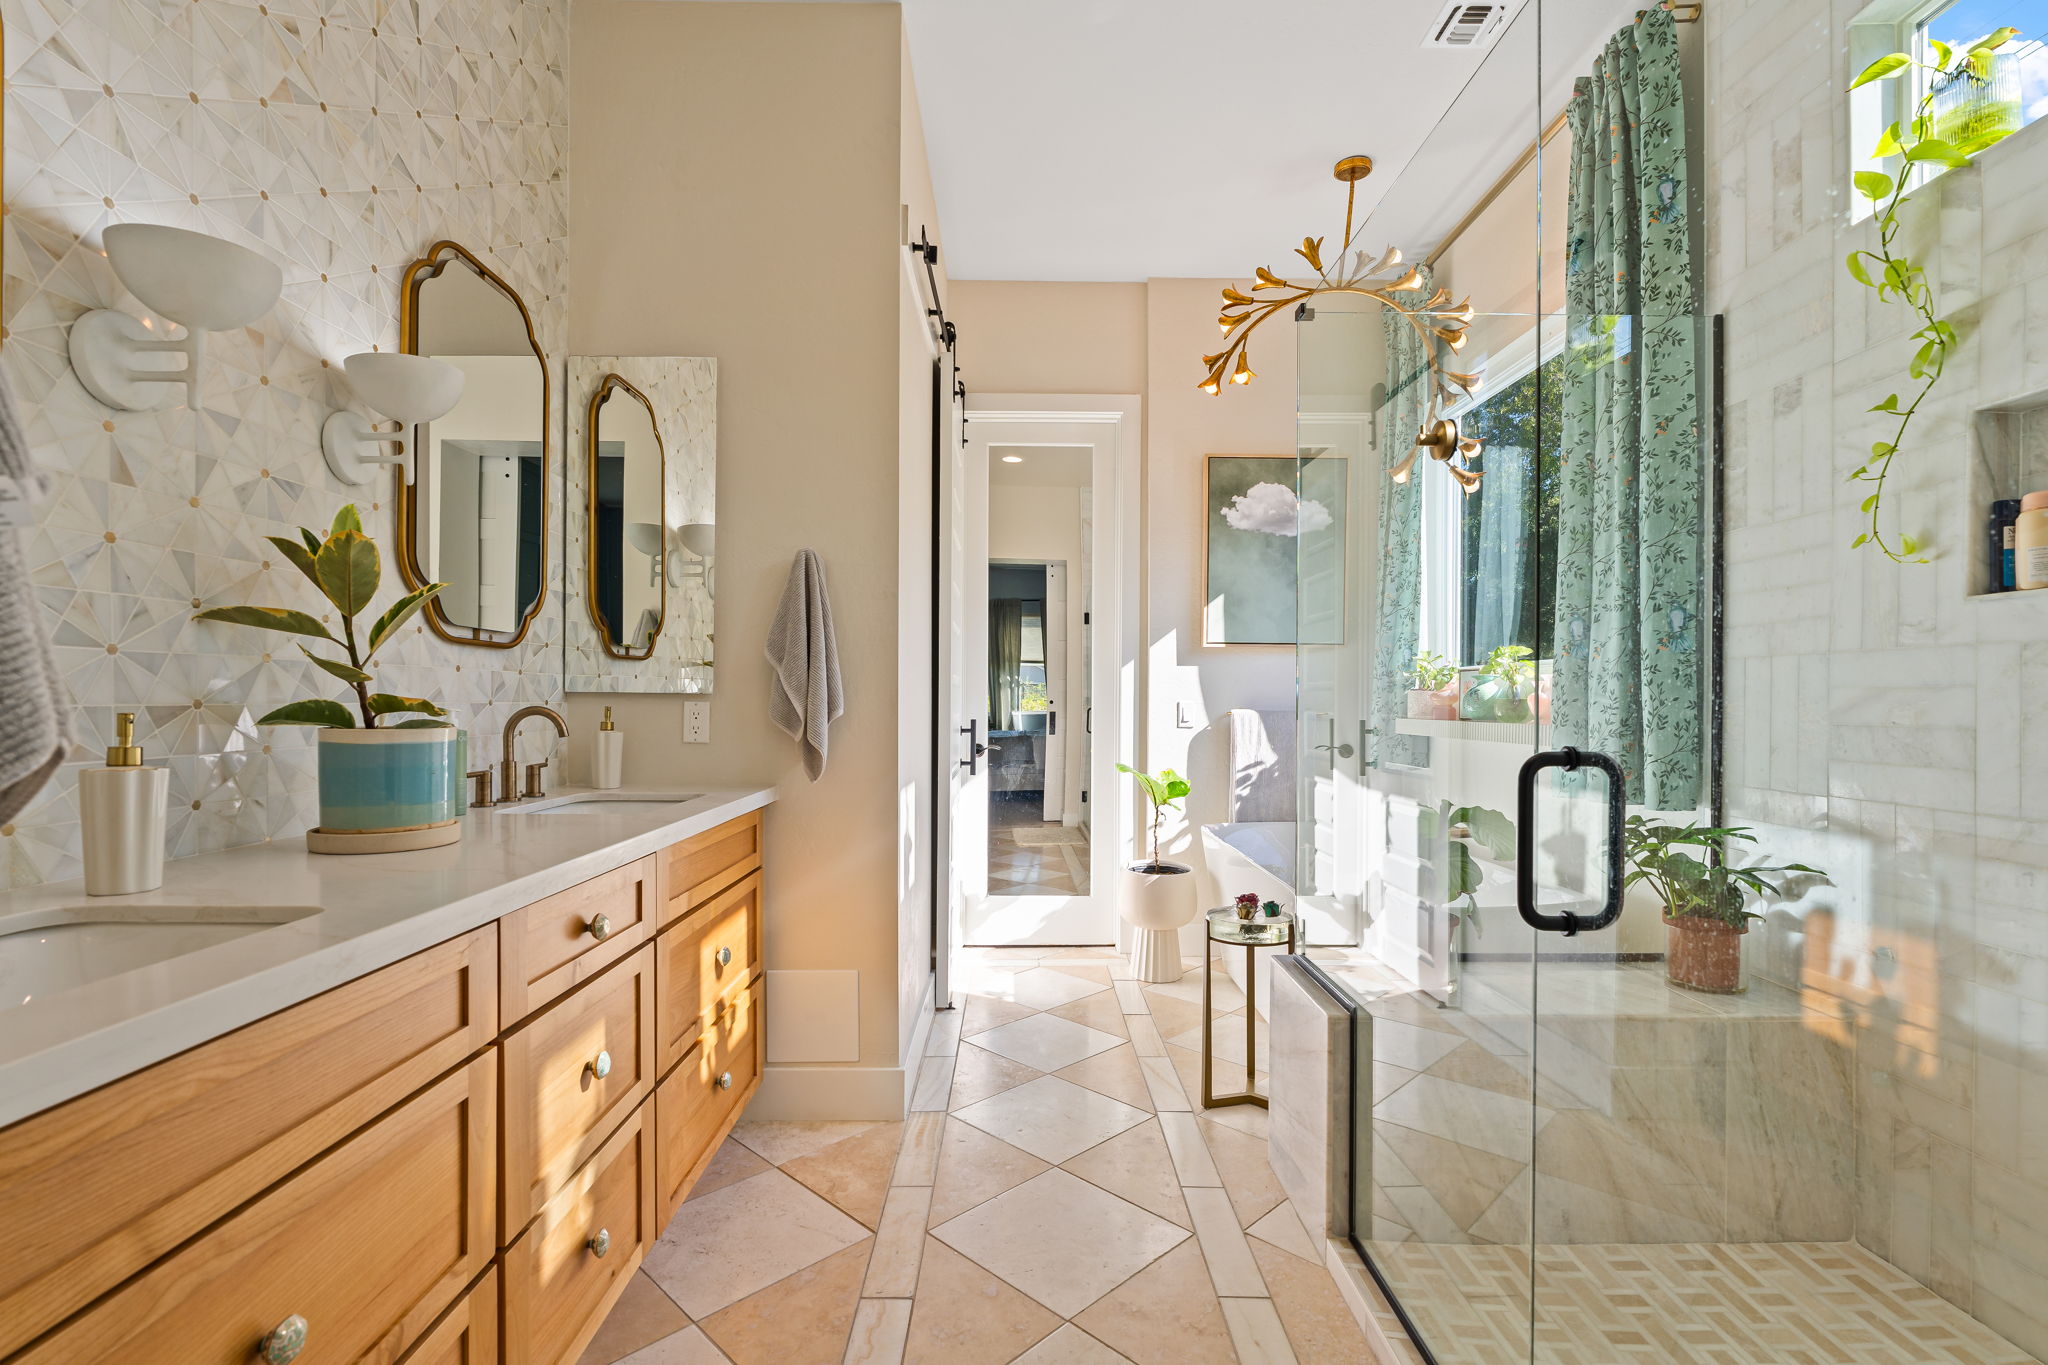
{"x": 696, "y": 721}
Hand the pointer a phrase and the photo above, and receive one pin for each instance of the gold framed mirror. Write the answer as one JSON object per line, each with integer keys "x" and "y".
{"x": 626, "y": 534}
{"x": 475, "y": 516}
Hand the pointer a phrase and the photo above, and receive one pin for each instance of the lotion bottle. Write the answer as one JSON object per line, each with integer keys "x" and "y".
{"x": 609, "y": 761}
{"x": 121, "y": 811}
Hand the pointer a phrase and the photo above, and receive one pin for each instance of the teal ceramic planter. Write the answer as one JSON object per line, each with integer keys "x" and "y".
{"x": 385, "y": 790}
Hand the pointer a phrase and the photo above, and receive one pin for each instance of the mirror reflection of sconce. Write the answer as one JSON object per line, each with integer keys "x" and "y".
{"x": 646, "y": 537}
{"x": 409, "y": 389}
{"x": 699, "y": 538}
{"x": 201, "y": 283}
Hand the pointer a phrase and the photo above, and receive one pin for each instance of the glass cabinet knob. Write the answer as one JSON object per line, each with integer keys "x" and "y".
{"x": 725, "y": 957}
{"x": 601, "y": 1243}
{"x": 599, "y": 1066}
{"x": 282, "y": 1343}
{"x": 599, "y": 928}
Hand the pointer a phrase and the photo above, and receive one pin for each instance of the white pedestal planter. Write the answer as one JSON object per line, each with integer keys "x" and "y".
{"x": 1158, "y": 898}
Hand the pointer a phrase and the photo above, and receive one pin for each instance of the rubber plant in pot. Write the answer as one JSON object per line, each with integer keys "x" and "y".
{"x": 1158, "y": 896}
{"x": 1705, "y": 899}
{"x": 1434, "y": 695}
{"x": 394, "y": 782}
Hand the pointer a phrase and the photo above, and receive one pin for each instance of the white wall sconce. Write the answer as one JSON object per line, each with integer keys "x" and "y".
{"x": 646, "y": 537}
{"x": 699, "y": 538}
{"x": 201, "y": 283}
{"x": 409, "y": 389}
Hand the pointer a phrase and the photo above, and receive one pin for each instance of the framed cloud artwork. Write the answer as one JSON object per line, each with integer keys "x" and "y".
{"x": 1267, "y": 520}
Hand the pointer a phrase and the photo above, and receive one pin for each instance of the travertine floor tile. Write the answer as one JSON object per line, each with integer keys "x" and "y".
{"x": 881, "y": 1328}
{"x": 1166, "y": 1314}
{"x": 975, "y": 1166}
{"x": 778, "y": 1141}
{"x": 730, "y": 1164}
{"x": 918, "y": 1161}
{"x": 1045, "y": 988}
{"x": 854, "y": 1172}
{"x": 1052, "y": 1119}
{"x": 643, "y": 1314}
{"x": 1115, "y": 1073}
{"x": 984, "y": 1012}
{"x": 1098, "y": 1011}
{"x": 892, "y": 1269}
{"x": 1046, "y": 1042}
{"x": 1060, "y": 1239}
{"x": 1254, "y": 1189}
{"x": 802, "y": 1319}
{"x": 687, "y": 1347}
{"x": 1318, "y": 1321}
{"x": 1135, "y": 1165}
{"x": 979, "y": 1073}
{"x": 1190, "y": 1151}
{"x": 1070, "y": 1346}
{"x": 1256, "y": 1332}
{"x": 1282, "y": 1229}
{"x": 743, "y": 1238}
{"x": 1231, "y": 1267}
{"x": 963, "y": 1315}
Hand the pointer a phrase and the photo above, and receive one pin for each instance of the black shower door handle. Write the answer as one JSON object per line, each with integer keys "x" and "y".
{"x": 1571, "y": 760}
{"x": 975, "y": 748}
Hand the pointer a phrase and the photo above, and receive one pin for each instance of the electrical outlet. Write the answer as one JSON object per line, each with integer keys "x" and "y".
{"x": 696, "y": 721}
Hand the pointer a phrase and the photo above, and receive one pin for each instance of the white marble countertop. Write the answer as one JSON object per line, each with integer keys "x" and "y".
{"x": 352, "y": 915}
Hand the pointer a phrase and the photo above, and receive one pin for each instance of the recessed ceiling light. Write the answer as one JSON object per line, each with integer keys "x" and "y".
{"x": 1013, "y": 459}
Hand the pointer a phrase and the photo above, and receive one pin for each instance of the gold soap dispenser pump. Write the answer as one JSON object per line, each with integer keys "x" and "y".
{"x": 121, "y": 810}
{"x": 608, "y": 763}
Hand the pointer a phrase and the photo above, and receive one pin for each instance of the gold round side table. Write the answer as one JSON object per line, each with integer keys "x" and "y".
{"x": 1260, "y": 931}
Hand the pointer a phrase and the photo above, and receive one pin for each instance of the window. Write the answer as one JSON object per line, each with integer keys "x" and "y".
{"x": 1031, "y": 665}
{"x": 2009, "y": 91}
{"x": 1488, "y": 557}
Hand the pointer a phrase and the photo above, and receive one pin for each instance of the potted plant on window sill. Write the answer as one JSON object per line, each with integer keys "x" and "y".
{"x": 1501, "y": 691}
{"x": 1158, "y": 896}
{"x": 1434, "y": 695}
{"x": 1705, "y": 900}
{"x": 395, "y": 781}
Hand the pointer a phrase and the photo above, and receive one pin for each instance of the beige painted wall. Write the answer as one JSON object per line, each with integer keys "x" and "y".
{"x": 1147, "y": 339}
{"x": 736, "y": 196}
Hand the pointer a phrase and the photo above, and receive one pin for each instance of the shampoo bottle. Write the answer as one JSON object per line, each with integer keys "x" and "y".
{"x": 610, "y": 759}
{"x": 121, "y": 811}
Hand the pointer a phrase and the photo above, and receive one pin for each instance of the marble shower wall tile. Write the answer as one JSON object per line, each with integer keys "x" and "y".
{"x": 341, "y": 140}
{"x": 683, "y": 391}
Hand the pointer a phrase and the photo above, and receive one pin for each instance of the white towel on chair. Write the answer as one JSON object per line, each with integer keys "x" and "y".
{"x": 32, "y": 732}
{"x": 805, "y": 655}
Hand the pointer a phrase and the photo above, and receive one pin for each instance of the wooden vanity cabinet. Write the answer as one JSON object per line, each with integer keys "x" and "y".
{"x": 459, "y": 1159}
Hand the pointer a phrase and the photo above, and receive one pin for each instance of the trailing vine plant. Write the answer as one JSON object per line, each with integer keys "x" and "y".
{"x": 1892, "y": 273}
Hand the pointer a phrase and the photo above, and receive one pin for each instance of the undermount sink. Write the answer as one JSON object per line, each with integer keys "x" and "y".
{"x": 45, "y": 952}
{"x": 603, "y": 803}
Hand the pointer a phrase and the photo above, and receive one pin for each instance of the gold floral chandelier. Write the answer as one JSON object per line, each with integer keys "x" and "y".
{"x": 1437, "y": 322}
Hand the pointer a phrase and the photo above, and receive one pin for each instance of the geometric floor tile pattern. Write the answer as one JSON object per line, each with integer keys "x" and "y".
{"x": 1726, "y": 1303}
{"x": 1098, "y": 1218}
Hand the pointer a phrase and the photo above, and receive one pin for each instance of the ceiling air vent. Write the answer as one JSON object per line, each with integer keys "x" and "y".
{"x": 1467, "y": 23}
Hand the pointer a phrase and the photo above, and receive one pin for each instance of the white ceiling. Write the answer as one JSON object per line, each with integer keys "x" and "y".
{"x": 1041, "y": 466}
{"x": 1124, "y": 139}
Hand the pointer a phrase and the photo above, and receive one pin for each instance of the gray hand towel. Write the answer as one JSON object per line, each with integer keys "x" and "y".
{"x": 32, "y": 732}
{"x": 805, "y": 655}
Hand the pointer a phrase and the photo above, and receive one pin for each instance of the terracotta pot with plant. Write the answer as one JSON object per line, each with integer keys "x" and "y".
{"x": 1705, "y": 900}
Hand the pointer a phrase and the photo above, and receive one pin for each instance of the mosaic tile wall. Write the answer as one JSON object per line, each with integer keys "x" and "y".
{"x": 340, "y": 137}
{"x": 684, "y": 393}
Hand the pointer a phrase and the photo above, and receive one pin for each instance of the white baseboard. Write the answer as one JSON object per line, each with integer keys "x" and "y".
{"x": 880, "y": 1093}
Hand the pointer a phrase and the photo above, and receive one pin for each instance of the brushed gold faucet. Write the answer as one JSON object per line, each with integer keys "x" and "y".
{"x": 508, "y": 768}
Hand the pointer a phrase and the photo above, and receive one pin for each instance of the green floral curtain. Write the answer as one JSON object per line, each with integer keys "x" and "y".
{"x": 1005, "y": 660}
{"x": 1398, "y": 615}
{"x": 1628, "y": 663}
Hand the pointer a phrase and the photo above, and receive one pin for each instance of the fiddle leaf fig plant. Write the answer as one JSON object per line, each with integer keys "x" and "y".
{"x": 344, "y": 565}
{"x": 1917, "y": 142}
{"x": 1164, "y": 792}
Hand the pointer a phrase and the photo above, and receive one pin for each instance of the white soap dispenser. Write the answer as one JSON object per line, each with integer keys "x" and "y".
{"x": 609, "y": 762}
{"x": 121, "y": 808}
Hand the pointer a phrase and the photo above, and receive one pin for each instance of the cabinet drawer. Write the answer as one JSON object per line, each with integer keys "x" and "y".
{"x": 368, "y": 1245}
{"x": 468, "y": 1333}
{"x": 572, "y": 936}
{"x": 96, "y": 1189}
{"x": 697, "y": 1105}
{"x": 703, "y": 865}
{"x": 558, "y": 1284}
{"x": 702, "y": 957}
{"x": 558, "y": 1108}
